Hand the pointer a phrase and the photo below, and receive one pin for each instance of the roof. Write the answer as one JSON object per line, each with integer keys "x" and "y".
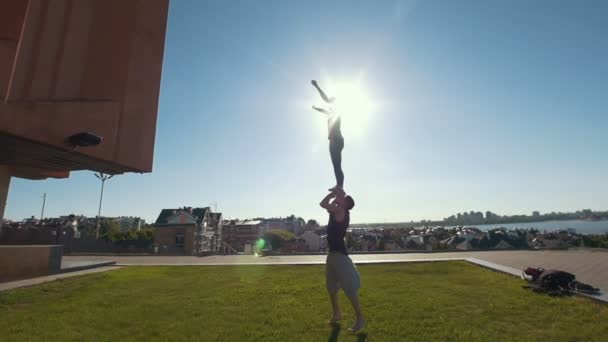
{"x": 503, "y": 245}
{"x": 465, "y": 245}
{"x": 308, "y": 233}
{"x": 215, "y": 218}
{"x": 165, "y": 214}
{"x": 453, "y": 240}
{"x": 248, "y": 222}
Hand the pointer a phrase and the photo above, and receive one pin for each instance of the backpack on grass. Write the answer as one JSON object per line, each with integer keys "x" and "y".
{"x": 555, "y": 282}
{"x": 552, "y": 282}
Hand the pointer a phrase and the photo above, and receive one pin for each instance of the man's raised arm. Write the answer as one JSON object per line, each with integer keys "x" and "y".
{"x": 325, "y": 201}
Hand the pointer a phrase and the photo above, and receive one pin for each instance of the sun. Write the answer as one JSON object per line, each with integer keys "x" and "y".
{"x": 353, "y": 103}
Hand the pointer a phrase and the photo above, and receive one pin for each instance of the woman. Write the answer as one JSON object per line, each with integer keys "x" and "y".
{"x": 336, "y": 140}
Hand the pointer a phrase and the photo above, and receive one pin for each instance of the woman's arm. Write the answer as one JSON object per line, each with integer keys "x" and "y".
{"x": 322, "y": 93}
{"x": 322, "y": 110}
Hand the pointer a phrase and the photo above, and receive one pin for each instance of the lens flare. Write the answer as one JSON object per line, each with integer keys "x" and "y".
{"x": 260, "y": 244}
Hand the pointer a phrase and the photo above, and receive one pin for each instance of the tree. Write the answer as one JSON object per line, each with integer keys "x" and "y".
{"x": 146, "y": 234}
{"x": 277, "y": 237}
{"x": 130, "y": 235}
{"x": 110, "y": 230}
{"x": 312, "y": 223}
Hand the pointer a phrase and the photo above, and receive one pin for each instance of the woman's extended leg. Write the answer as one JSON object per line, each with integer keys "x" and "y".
{"x": 335, "y": 152}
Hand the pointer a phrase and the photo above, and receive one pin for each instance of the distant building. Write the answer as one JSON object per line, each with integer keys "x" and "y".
{"x": 413, "y": 242}
{"x": 294, "y": 246}
{"x": 237, "y": 234}
{"x": 312, "y": 241}
{"x": 291, "y": 223}
{"x": 216, "y": 225}
{"x": 464, "y": 245}
{"x": 390, "y": 245}
{"x": 184, "y": 231}
{"x": 503, "y": 245}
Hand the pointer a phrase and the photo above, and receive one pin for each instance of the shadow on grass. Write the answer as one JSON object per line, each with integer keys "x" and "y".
{"x": 335, "y": 332}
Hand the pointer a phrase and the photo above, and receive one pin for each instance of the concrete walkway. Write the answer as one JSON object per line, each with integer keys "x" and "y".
{"x": 39, "y": 280}
{"x": 80, "y": 265}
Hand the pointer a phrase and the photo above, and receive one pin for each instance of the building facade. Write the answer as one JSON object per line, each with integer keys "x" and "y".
{"x": 239, "y": 234}
{"x": 291, "y": 223}
{"x": 184, "y": 231}
{"x": 312, "y": 241}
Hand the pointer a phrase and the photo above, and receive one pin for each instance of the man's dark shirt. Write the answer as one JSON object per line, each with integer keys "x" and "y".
{"x": 336, "y": 232}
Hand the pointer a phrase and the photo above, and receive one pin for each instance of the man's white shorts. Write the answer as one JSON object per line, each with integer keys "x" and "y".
{"x": 340, "y": 272}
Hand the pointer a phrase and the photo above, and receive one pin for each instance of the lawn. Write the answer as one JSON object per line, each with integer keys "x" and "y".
{"x": 421, "y": 301}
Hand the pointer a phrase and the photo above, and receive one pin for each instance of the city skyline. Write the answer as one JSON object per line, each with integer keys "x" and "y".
{"x": 477, "y": 105}
{"x": 534, "y": 214}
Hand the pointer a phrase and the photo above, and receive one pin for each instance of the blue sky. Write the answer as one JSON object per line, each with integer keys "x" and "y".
{"x": 478, "y": 105}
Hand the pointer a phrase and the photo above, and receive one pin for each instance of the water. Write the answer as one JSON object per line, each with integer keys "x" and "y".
{"x": 582, "y": 227}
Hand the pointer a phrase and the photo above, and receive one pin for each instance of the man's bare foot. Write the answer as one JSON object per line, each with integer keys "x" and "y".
{"x": 359, "y": 324}
{"x": 334, "y": 319}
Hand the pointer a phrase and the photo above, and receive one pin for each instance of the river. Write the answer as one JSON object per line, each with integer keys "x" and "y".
{"x": 581, "y": 227}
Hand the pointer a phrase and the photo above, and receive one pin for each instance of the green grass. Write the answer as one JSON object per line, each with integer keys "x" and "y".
{"x": 422, "y": 301}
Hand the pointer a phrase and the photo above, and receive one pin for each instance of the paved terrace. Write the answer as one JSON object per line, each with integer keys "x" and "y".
{"x": 589, "y": 266}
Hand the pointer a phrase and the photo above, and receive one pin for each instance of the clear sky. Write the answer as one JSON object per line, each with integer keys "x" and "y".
{"x": 476, "y": 105}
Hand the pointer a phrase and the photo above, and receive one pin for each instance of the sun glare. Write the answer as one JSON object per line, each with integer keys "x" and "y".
{"x": 353, "y": 104}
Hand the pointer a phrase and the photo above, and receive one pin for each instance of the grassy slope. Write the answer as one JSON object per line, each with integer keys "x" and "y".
{"x": 439, "y": 301}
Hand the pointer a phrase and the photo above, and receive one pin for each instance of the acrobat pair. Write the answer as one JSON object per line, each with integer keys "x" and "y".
{"x": 340, "y": 271}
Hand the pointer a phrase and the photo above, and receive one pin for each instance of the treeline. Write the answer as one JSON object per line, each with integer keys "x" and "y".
{"x": 596, "y": 241}
{"x": 109, "y": 230}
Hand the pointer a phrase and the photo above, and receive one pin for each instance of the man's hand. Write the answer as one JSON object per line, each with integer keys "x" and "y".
{"x": 338, "y": 192}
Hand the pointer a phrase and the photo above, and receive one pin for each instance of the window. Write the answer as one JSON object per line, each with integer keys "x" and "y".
{"x": 179, "y": 240}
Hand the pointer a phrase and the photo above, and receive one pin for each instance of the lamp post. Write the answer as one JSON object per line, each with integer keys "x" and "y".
{"x": 42, "y": 211}
{"x": 103, "y": 178}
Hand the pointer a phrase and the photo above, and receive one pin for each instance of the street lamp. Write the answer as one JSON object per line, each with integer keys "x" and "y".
{"x": 103, "y": 178}
{"x": 42, "y": 211}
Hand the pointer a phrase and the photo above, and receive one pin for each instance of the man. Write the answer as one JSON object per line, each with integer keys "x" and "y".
{"x": 336, "y": 140}
{"x": 340, "y": 272}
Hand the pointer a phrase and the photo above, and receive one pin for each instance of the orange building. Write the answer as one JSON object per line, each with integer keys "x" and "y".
{"x": 79, "y": 86}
